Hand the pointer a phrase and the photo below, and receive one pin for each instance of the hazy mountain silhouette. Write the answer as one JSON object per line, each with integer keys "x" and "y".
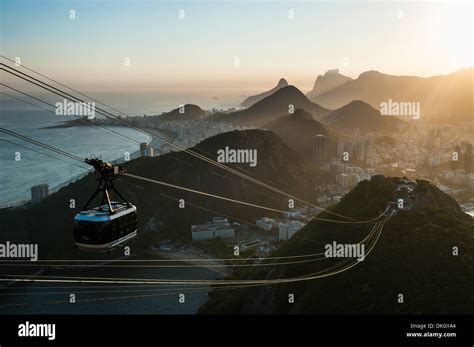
{"x": 360, "y": 115}
{"x": 324, "y": 83}
{"x": 274, "y": 106}
{"x": 256, "y": 98}
{"x": 413, "y": 256}
{"x": 444, "y": 97}
{"x": 189, "y": 111}
{"x": 297, "y": 131}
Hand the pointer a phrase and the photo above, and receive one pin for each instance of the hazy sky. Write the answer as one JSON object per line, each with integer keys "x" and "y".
{"x": 201, "y": 50}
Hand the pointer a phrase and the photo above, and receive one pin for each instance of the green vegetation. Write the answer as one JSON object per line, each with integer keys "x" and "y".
{"x": 50, "y": 223}
{"x": 216, "y": 247}
{"x": 414, "y": 257}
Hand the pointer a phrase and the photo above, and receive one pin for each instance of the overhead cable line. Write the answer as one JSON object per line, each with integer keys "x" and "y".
{"x": 175, "y": 145}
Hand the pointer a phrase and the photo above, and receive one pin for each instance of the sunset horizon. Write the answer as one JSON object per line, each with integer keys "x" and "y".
{"x": 216, "y": 166}
{"x": 168, "y": 51}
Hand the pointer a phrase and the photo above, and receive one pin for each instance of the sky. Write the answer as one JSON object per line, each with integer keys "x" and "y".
{"x": 232, "y": 45}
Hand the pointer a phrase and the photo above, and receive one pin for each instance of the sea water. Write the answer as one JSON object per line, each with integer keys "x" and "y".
{"x": 21, "y": 168}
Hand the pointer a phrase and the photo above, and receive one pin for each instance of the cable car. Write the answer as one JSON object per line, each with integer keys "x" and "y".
{"x": 110, "y": 223}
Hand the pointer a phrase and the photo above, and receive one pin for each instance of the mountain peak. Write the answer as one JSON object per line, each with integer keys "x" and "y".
{"x": 433, "y": 222}
{"x": 375, "y": 87}
{"x": 256, "y": 98}
{"x": 358, "y": 114}
{"x": 282, "y": 83}
{"x": 332, "y": 72}
{"x": 282, "y": 102}
{"x": 183, "y": 112}
{"x": 327, "y": 82}
{"x": 301, "y": 114}
{"x": 289, "y": 89}
{"x": 370, "y": 73}
{"x": 358, "y": 103}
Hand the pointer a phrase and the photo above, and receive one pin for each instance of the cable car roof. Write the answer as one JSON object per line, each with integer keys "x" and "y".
{"x": 102, "y": 213}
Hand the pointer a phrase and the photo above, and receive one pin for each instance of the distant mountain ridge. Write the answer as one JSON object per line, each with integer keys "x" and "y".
{"x": 297, "y": 131}
{"x": 360, "y": 115}
{"x": 324, "y": 83}
{"x": 273, "y": 106}
{"x": 445, "y": 97}
{"x": 183, "y": 112}
{"x": 256, "y": 98}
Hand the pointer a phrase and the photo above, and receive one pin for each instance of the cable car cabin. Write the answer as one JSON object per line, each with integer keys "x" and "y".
{"x": 99, "y": 229}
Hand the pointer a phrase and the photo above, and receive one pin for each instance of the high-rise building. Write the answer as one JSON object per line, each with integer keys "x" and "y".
{"x": 368, "y": 147}
{"x": 39, "y": 192}
{"x": 146, "y": 150}
{"x": 349, "y": 148}
{"x": 342, "y": 180}
{"x": 360, "y": 150}
{"x": 320, "y": 149}
{"x": 340, "y": 147}
{"x": 468, "y": 165}
{"x": 345, "y": 146}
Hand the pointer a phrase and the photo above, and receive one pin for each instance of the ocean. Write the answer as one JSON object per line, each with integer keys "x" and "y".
{"x": 154, "y": 103}
{"x": 22, "y": 168}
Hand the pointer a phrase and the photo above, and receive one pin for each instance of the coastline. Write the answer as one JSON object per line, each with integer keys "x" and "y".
{"x": 24, "y": 200}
